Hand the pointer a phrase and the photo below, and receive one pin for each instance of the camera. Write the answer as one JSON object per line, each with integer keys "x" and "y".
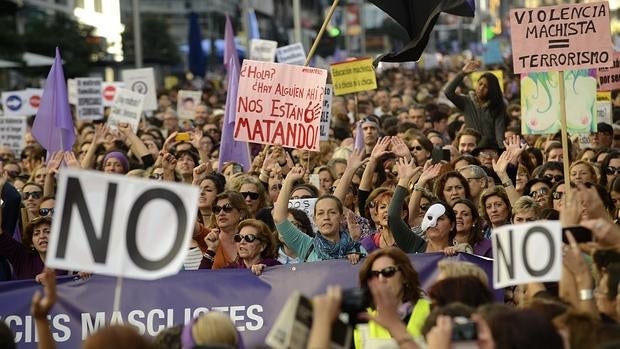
{"x": 464, "y": 329}
{"x": 354, "y": 302}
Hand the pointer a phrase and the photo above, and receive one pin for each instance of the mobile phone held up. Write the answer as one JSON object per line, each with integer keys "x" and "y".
{"x": 581, "y": 234}
{"x": 438, "y": 155}
{"x": 182, "y": 137}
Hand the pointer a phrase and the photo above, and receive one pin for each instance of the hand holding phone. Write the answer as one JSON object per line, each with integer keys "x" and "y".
{"x": 182, "y": 137}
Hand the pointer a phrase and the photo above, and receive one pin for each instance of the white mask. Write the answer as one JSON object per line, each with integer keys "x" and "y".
{"x": 432, "y": 215}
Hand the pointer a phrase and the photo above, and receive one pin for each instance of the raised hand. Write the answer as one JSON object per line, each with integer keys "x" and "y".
{"x": 101, "y": 131}
{"x": 71, "y": 160}
{"x": 43, "y": 303}
{"x": 500, "y": 165}
{"x": 169, "y": 141}
{"x": 430, "y": 172}
{"x": 257, "y": 269}
{"x": 125, "y": 128}
{"x": 169, "y": 162}
{"x": 381, "y": 148}
{"x": 295, "y": 174}
{"x": 471, "y": 66}
{"x": 514, "y": 147}
{"x": 399, "y": 148}
{"x": 54, "y": 163}
{"x": 195, "y": 137}
{"x": 407, "y": 169}
{"x": 356, "y": 159}
{"x": 213, "y": 240}
{"x": 200, "y": 172}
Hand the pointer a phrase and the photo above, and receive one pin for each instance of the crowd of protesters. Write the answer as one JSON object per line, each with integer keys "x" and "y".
{"x": 375, "y": 202}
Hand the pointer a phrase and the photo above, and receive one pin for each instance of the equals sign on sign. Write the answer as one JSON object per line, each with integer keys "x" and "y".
{"x": 558, "y": 43}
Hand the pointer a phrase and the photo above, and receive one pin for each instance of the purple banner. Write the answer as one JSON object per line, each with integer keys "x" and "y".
{"x": 252, "y": 302}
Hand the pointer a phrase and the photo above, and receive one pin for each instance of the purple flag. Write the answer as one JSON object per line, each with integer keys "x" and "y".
{"x": 230, "y": 48}
{"x": 230, "y": 149}
{"x": 53, "y": 125}
{"x": 359, "y": 137}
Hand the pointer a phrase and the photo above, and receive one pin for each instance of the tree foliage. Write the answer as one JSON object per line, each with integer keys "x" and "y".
{"x": 157, "y": 43}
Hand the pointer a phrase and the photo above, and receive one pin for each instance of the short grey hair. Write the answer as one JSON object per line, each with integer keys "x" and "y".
{"x": 476, "y": 170}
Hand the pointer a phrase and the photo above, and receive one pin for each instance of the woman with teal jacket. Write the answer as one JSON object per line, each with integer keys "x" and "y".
{"x": 330, "y": 242}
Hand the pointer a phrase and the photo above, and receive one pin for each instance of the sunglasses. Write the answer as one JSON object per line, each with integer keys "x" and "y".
{"x": 226, "y": 208}
{"x": 610, "y": 170}
{"x": 251, "y": 195}
{"x": 46, "y": 211}
{"x": 250, "y": 238}
{"x": 539, "y": 192}
{"x": 555, "y": 178}
{"x": 558, "y": 195}
{"x": 424, "y": 208}
{"x": 417, "y": 147}
{"x": 33, "y": 194}
{"x": 156, "y": 176}
{"x": 387, "y": 272}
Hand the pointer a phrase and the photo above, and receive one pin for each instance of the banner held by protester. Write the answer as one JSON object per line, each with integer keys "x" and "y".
{"x": 353, "y": 76}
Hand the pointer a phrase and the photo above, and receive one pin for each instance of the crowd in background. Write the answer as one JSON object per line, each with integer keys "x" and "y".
{"x": 377, "y": 197}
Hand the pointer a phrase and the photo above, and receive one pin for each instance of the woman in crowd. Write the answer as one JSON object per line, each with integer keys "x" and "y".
{"x": 582, "y": 172}
{"x": 610, "y": 168}
{"x": 32, "y": 194}
{"x": 450, "y": 187}
{"x": 392, "y": 268}
{"x": 539, "y": 189}
{"x": 253, "y": 191}
{"x": 330, "y": 242}
{"x": 255, "y": 244}
{"x": 495, "y": 207}
{"x": 469, "y": 228}
{"x": 383, "y": 237}
{"x": 287, "y": 255}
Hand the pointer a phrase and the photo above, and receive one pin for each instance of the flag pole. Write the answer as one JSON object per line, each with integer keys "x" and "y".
{"x": 117, "y": 293}
{"x": 564, "y": 131}
{"x": 315, "y": 45}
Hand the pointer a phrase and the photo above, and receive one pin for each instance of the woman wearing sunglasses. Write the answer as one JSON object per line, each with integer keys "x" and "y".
{"x": 391, "y": 267}
{"x": 252, "y": 190}
{"x": 255, "y": 247}
{"x": 32, "y": 194}
{"x": 228, "y": 211}
{"x": 330, "y": 242}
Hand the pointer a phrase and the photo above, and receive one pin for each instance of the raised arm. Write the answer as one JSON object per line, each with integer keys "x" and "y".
{"x": 40, "y": 308}
{"x": 52, "y": 169}
{"x": 428, "y": 173}
{"x": 450, "y": 89}
{"x": 499, "y": 167}
{"x": 403, "y": 236}
{"x": 356, "y": 159}
{"x": 280, "y": 209}
{"x": 380, "y": 149}
{"x": 137, "y": 146}
{"x": 101, "y": 131}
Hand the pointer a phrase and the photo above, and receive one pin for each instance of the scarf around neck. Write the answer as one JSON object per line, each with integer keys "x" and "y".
{"x": 326, "y": 249}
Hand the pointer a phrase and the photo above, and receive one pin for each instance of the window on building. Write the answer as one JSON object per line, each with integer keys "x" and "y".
{"x": 79, "y": 3}
{"x": 98, "y": 6}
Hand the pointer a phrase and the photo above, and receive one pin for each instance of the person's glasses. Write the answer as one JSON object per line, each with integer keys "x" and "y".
{"x": 12, "y": 174}
{"x": 540, "y": 192}
{"x": 303, "y": 197}
{"x": 250, "y": 238}
{"x": 387, "y": 272}
{"x": 156, "y": 176}
{"x": 558, "y": 195}
{"x": 226, "y": 208}
{"x": 276, "y": 187}
{"x": 251, "y": 195}
{"x": 46, "y": 211}
{"x": 610, "y": 170}
{"x": 417, "y": 148}
{"x": 33, "y": 194}
{"x": 332, "y": 189}
{"x": 424, "y": 208}
{"x": 553, "y": 178}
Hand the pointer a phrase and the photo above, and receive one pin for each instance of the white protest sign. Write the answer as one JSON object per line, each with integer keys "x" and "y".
{"x": 72, "y": 91}
{"x": 558, "y": 38}
{"x": 143, "y": 82}
{"x": 263, "y": 50}
{"x": 186, "y": 102}
{"x": 127, "y": 108}
{"x": 108, "y": 91}
{"x": 306, "y": 205}
{"x": 89, "y": 104}
{"x": 21, "y": 102}
{"x": 291, "y": 54}
{"x": 121, "y": 226}
{"x": 525, "y": 253}
{"x": 604, "y": 108}
{"x": 326, "y": 115}
{"x": 12, "y": 131}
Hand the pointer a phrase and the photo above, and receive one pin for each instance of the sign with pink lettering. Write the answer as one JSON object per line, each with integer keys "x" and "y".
{"x": 280, "y": 104}
{"x": 564, "y": 37}
{"x": 609, "y": 78}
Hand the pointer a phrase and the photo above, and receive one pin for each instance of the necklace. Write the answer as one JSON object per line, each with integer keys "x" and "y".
{"x": 385, "y": 241}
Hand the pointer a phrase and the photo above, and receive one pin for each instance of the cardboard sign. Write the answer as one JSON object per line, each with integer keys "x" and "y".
{"x": 475, "y": 76}
{"x": 609, "y": 78}
{"x": 186, "y": 102}
{"x": 263, "y": 50}
{"x": 12, "y": 131}
{"x": 540, "y": 102}
{"x": 108, "y": 90}
{"x": 603, "y": 107}
{"x": 280, "y": 104}
{"x": 21, "y": 102}
{"x": 89, "y": 104}
{"x": 353, "y": 76}
{"x": 72, "y": 91}
{"x": 121, "y": 226}
{"x": 529, "y": 252}
{"x": 326, "y": 115}
{"x": 554, "y": 38}
{"x": 291, "y": 54}
{"x": 143, "y": 82}
{"x": 127, "y": 108}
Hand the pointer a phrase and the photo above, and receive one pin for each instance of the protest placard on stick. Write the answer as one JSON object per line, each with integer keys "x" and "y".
{"x": 186, "y": 102}
{"x": 127, "y": 108}
{"x": 353, "y": 76}
{"x": 89, "y": 104}
{"x": 280, "y": 104}
{"x": 609, "y": 78}
{"x": 142, "y": 81}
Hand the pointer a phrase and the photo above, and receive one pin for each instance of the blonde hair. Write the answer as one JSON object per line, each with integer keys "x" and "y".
{"x": 215, "y": 328}
{"x": 455, "y": 269}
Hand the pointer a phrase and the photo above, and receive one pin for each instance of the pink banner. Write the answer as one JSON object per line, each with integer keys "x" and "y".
{"x": 280, "y": 104}
{"x": 561, "y": 37}
{"x": 609, "y": 78}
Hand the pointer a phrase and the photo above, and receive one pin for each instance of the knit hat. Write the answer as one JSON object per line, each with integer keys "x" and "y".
{"x": 122, "y": 158}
